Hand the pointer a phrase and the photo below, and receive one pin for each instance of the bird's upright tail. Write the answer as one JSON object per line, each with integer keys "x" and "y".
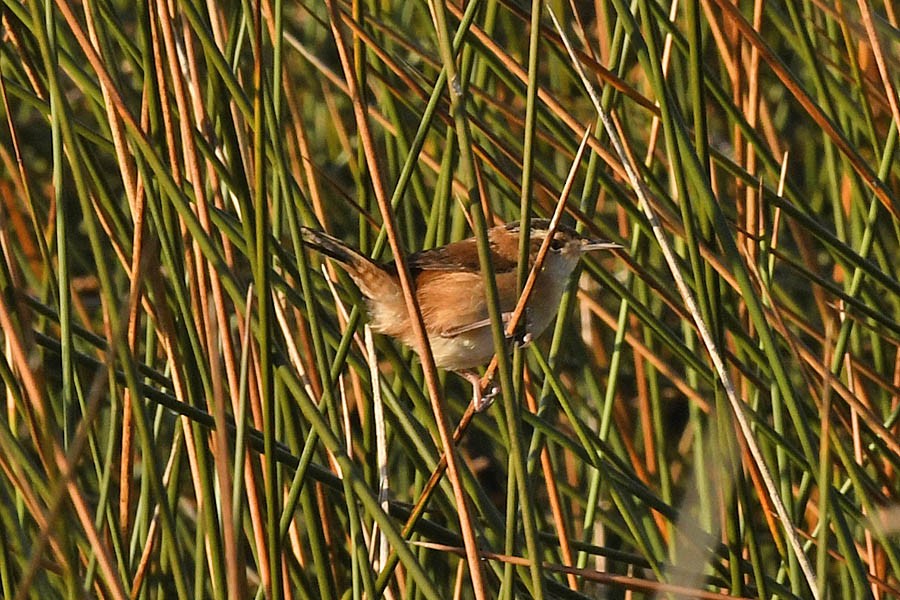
{"x": 332, "y": 247}
{"x": 373, "y": 280}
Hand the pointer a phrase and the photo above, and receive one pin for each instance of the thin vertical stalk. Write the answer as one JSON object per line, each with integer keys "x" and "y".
{"x": 415, "y": 314}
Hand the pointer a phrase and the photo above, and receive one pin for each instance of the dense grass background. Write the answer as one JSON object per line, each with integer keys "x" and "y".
{"x": 190, "y": 407}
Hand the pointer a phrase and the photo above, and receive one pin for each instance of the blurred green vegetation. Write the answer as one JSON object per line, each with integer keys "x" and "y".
{"x": 189, "y": 407}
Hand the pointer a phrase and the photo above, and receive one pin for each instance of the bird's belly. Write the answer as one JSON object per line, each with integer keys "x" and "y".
{"x": 463, "y": 351}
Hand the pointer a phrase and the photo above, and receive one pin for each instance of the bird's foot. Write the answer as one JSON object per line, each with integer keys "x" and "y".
{"x": 522, "y": 335}
{"x": 481, "y": 398}
{"x": 481, "y": 402}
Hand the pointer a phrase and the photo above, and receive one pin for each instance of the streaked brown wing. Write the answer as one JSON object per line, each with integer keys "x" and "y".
{"x": 459, "y": 256}
{"x": 468, "y": 310}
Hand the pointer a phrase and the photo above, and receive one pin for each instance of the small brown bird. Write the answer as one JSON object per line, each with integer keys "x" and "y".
{"x": 450, "y": 290}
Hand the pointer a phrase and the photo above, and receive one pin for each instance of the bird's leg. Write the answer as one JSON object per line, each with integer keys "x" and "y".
{"x": 480, "y": 401}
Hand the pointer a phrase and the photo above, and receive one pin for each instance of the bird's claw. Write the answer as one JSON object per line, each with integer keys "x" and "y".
{"x": 481, "y": 402}
{"x": 522, "y": 335}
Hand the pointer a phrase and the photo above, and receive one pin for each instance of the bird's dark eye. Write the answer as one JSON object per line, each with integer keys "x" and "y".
{"x": 558, "y": 243}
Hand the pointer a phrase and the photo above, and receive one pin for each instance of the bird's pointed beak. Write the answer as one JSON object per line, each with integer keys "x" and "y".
{"x": 589, "y": 245}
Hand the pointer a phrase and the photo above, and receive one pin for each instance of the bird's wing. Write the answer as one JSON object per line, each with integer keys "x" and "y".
{"x": 458, "y": 256}
{"x": 466, "y": 327}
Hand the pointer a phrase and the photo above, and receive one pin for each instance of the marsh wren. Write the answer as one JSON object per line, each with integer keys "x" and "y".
{"x": 450, "y": 290}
